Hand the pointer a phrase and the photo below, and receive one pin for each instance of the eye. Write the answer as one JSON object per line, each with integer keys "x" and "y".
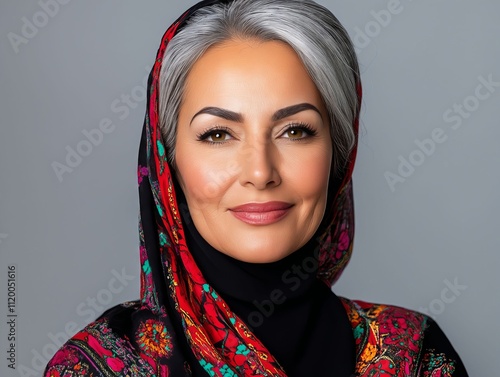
{"x": 295, "y": 133}
{"x": 298, "y": 131}
{"x": 215, "y": 136}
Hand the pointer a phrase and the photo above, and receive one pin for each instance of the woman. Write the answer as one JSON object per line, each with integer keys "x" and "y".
{"x": 246, "y": 220}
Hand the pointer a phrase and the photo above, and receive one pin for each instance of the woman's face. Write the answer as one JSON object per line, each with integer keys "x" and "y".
{"x": 253, "y": 150}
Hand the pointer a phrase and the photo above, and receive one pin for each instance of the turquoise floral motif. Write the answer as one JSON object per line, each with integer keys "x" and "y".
{"x": 160, "y": 211}
{"x": 146, "y": 267}
{"x": 208, "y": 367}
{"x": 206, "y": 288}
{"x": 161, "y": 148}
{"x": 358, "y": 332}
{"x": 226, "y": 371}
{"x": 163, "y": 239}
{"x": 242, "y": 350}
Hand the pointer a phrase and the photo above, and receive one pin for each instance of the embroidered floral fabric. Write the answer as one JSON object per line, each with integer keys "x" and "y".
{"x": 181, "y": 327}
{"x": 388, "y": 342}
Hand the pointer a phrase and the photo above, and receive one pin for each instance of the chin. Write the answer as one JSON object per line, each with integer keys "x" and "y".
{"x": 258, "y": 257}
{"x": 259, "y": 252}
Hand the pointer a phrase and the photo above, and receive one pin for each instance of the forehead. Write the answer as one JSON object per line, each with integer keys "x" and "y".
{"x": 246, "y": 68}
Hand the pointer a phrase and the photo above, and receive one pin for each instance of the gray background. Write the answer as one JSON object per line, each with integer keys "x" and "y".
{"x": 69, "y": 237}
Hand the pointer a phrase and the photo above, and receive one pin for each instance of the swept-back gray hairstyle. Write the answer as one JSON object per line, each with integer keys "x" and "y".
{"x": 315, "y": 34}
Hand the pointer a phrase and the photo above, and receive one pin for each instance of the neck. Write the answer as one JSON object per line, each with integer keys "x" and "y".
{"x": 290, "y": 277}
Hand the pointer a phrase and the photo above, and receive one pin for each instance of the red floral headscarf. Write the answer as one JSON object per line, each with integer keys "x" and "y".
{"x": 218, "y": 338}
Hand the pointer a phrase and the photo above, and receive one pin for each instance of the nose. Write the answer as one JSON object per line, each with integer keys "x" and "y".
{"x": 260, "y": 165}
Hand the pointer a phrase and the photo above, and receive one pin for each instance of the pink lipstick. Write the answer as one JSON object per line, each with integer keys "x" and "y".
{"x": 261, "y": 213}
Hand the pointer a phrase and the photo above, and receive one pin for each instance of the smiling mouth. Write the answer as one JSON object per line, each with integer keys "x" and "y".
{"x": 261, "y": 213}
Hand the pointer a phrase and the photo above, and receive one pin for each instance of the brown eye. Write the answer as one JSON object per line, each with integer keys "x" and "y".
{"x": 295, "y": 133}
{"x": 218, "y": 136}
{"x": 298, "y": 131}
{"x": 215, "y": 136}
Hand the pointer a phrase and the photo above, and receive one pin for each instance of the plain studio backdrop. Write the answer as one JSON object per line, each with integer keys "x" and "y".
{"x": 72, "y": 103}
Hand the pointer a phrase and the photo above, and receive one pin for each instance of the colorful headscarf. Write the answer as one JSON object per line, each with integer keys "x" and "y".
{"x": 182, "y": 323}
{"x": 218, "y": 338}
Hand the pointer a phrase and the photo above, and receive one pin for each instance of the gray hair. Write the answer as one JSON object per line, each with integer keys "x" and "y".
{"x": 315, "y": 34}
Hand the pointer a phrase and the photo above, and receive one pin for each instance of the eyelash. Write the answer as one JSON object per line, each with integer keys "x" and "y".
{"x": 203, "y": 136}
{"x": 307, "y": 128}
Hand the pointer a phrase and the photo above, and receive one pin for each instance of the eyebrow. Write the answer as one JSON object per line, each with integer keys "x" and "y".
{"x": 237, "y": 117}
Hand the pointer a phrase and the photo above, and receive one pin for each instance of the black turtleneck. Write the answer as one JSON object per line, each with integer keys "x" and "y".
{"x": 296, "y": 316}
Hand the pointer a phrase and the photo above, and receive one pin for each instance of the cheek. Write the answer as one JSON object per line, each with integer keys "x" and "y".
{"x": 205, "y": 179}
{"x": 310, "y": 173}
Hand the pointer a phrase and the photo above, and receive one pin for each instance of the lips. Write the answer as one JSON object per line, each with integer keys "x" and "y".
{"x": 261, "y": 213}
